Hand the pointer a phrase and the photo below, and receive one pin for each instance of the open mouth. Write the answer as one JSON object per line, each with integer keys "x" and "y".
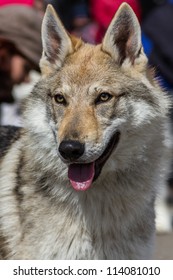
{"x": 81, "y": 176}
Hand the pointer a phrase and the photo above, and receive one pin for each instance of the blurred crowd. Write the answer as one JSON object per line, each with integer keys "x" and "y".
{"x": 20, "y": 41}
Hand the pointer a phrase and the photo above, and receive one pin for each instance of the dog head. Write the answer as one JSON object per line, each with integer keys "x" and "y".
{"x": 97, "y": 96}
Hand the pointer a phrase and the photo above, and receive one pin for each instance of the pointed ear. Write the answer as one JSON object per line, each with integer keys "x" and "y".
{"x": 56, "y": 42}
{"x": 123, "y": 37}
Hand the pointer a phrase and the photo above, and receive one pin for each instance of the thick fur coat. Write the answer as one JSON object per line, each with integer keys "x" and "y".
{"x": 96, "y": 111}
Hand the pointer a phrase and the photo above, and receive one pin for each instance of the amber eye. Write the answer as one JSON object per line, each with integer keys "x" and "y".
{"x": 103, "y": 97}
{"x": 59, "y": 98}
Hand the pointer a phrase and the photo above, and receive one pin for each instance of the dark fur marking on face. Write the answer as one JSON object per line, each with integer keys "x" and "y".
{"x": 72, "y": 135}
{"x": 53, "y": 112}
{"x": 48, "y": 112}
{"x": 140, "y": 91}
{"x": 49, "y": 116}
{"x": 72, "y": 130}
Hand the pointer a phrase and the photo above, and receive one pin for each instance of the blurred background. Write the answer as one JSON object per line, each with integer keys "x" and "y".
{"x": 20, "y": 52}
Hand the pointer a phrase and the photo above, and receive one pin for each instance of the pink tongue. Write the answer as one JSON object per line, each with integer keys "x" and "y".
{"x": 81, "y": 175}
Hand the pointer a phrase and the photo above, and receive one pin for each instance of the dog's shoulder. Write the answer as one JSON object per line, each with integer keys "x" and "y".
{"x": 8, "y": 135}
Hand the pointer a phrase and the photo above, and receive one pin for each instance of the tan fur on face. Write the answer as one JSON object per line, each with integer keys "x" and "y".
{"x": 81, "y": 83}
{"x": 80, "y": 120}
{"x": 79, "y": 124}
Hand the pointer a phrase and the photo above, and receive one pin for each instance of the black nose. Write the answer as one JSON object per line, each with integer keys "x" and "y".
{"x": 71, "y": 150}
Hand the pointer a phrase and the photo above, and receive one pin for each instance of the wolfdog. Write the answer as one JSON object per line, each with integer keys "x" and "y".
{"x": 79, "y": 180}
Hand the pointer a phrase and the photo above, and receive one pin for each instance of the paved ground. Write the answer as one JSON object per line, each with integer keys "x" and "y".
{"x": 164, "y": 247}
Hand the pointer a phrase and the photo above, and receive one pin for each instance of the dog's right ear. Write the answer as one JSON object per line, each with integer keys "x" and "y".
{"x": 57, "y": 44}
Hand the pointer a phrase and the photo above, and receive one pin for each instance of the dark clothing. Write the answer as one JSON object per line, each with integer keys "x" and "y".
{"x": 5, "y": 89}
{"x": 159, "y": 28}
{"x": 69, "y": 9}
{"x": 148, "y": 6}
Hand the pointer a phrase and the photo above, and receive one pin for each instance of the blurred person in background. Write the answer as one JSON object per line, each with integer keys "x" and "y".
{"x": 37, "y": 4}
{"x": 157, "y": 27}
{"x": 102, "y": 11}
{"x": 76, "y": 17}
{"x": 149, "y": 6}
{"x": 40, "y": 6}
{"x": 73, "y": 13}
{"x": 14, "y": 2}
{"x": 20, "y": 49}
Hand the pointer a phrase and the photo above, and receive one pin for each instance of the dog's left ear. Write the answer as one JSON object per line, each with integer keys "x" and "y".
{"x": 123, "y": 37}
{"x": 56, "y": 42}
